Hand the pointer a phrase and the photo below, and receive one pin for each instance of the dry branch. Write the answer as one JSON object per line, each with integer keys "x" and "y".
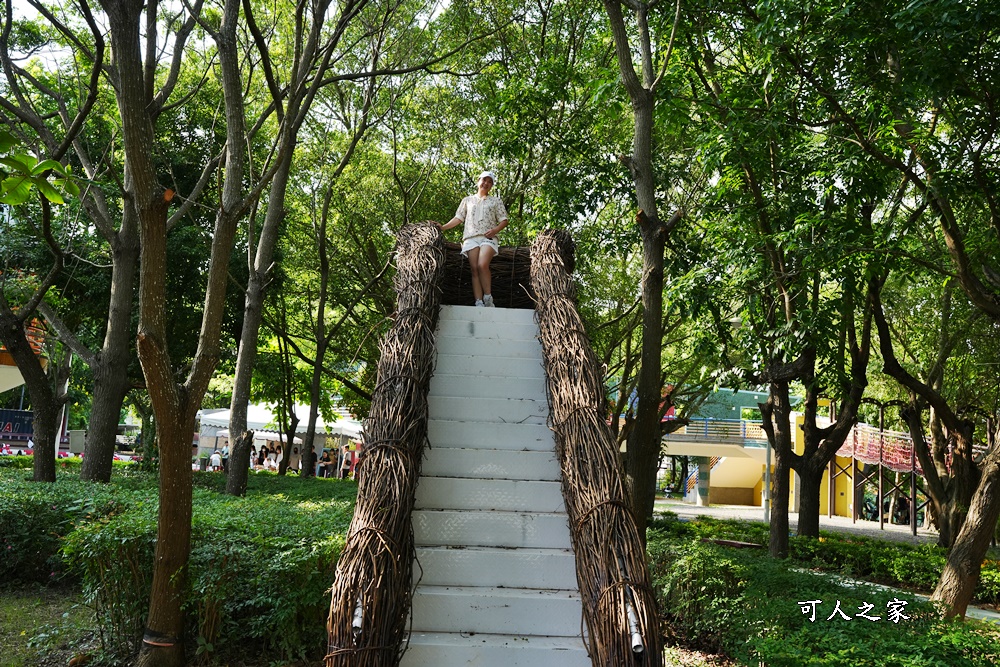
{"x": 618, "y": 603}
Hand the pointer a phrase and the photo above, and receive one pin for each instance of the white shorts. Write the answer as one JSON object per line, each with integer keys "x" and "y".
{"x": 479, "y": 241}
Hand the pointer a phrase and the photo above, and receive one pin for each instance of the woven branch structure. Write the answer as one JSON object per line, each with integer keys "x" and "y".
{"x": 618, "y": 604}
{"x": 372, "y": 590}
{"x": 511, "y": 277}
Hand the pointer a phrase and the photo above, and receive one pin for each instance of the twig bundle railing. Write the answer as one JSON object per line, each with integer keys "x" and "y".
{"x": 618, "y": 603}
{"x": 372, "y": 588}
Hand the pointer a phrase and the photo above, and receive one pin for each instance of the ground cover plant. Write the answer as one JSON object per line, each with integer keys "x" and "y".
{"x": 259, "y": 572}
{"x": 758, "y": 610}
{"x": 42, "y": 625}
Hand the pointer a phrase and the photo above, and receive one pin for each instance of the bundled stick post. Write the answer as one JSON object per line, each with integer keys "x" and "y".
{"x": 618, "y": 603}
{"x": 372, "y": 589}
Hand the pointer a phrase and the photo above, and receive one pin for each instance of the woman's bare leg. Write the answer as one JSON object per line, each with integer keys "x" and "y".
{"x": 477, "y": 287}
{"x": 485, "y": 277}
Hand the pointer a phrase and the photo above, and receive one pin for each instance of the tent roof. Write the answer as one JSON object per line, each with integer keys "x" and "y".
{"x": 261, "y": 418}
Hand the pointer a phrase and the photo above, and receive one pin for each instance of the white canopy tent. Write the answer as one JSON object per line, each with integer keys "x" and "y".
{"x": 264, "y": 423}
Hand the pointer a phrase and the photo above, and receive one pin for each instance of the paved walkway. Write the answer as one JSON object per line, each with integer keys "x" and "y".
{"x": 836, "y": 524}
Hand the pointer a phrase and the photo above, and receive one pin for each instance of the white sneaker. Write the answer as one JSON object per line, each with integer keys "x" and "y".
{"x": 488, "y": 300}
{"x": 479, "y": 303}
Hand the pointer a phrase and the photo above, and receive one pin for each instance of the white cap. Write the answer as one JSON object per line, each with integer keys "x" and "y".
{"x": 490, "y": 174}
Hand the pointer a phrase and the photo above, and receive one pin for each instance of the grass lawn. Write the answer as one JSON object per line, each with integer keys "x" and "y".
{"x": 42, "y": 626}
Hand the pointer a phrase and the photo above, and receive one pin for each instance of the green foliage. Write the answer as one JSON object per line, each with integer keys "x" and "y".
{"x": 259, "y": 570}
{"x": 21, "y": 172}
{"x": 758, "y": 611}
{"x": 16, "y": 462}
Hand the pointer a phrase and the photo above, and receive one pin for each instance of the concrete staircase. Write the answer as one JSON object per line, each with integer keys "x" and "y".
{"x": 497, "y": 579}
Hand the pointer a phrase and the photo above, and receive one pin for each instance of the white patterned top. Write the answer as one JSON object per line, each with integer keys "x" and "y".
{"x": 480, "y": 215}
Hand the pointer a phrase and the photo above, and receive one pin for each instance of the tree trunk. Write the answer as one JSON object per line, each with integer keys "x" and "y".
{"x": 43, "y": 400}
{"x": 643, "y": 448}
{"x": 173, "y": 405}
{"x": 150, "y": 449}
{"x": 681, "y": 483}
{"x": 776, "y": 416}
{"x": 810, "y": 480}
{"x": 162, "y": 641}
{"x": 950, "y": 512}
{"x": 961, "y": 573}
{"x": 111, "y": 372}
{"x": 110, "y": 387}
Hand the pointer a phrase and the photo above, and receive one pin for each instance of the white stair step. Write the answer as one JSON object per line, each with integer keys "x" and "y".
{"x": 451, "y": 493}
{"x": 464, "y": 364}
{"x": 496, "y": 567}
{"x": 486, "y": 411}
{"x": 471, "y": 313}
{"x": 528, "y": 349}
{"x": 432, "y": 649}
{"x": 488, "y": 386}
{"x": 487, "y": 330}
{"x": 443, "y": 433}
{"x": 513, "y": 611}
{"x": 490, "y": 464}
{"x": 497, "y": 575}
{"x": 544, "y": 530}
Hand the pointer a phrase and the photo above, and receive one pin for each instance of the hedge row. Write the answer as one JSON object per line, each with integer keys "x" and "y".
{"x": 259, "y": 570}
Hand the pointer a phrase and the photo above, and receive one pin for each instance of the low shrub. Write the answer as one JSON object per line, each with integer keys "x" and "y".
{"x": 699, "y": 589}
{"x": 17, "y": 462}
{"x": 35, "y": 518}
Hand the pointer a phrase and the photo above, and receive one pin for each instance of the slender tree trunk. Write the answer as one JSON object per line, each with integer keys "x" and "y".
{"x": 314, "y": 397}
{"x": 643, "y": 448}
{"x": 253, "y": 309}
{"x": 111, "y": 381}
{"x": 109, "y": 393}
{"x": 776, "y": 422}
{"x": 643, "y": 443}
{"x": 961, "y": 573}
{"x": 174, "y": 406}
{"x": 780, "y": 489}
{"x": 162, "y": 641}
